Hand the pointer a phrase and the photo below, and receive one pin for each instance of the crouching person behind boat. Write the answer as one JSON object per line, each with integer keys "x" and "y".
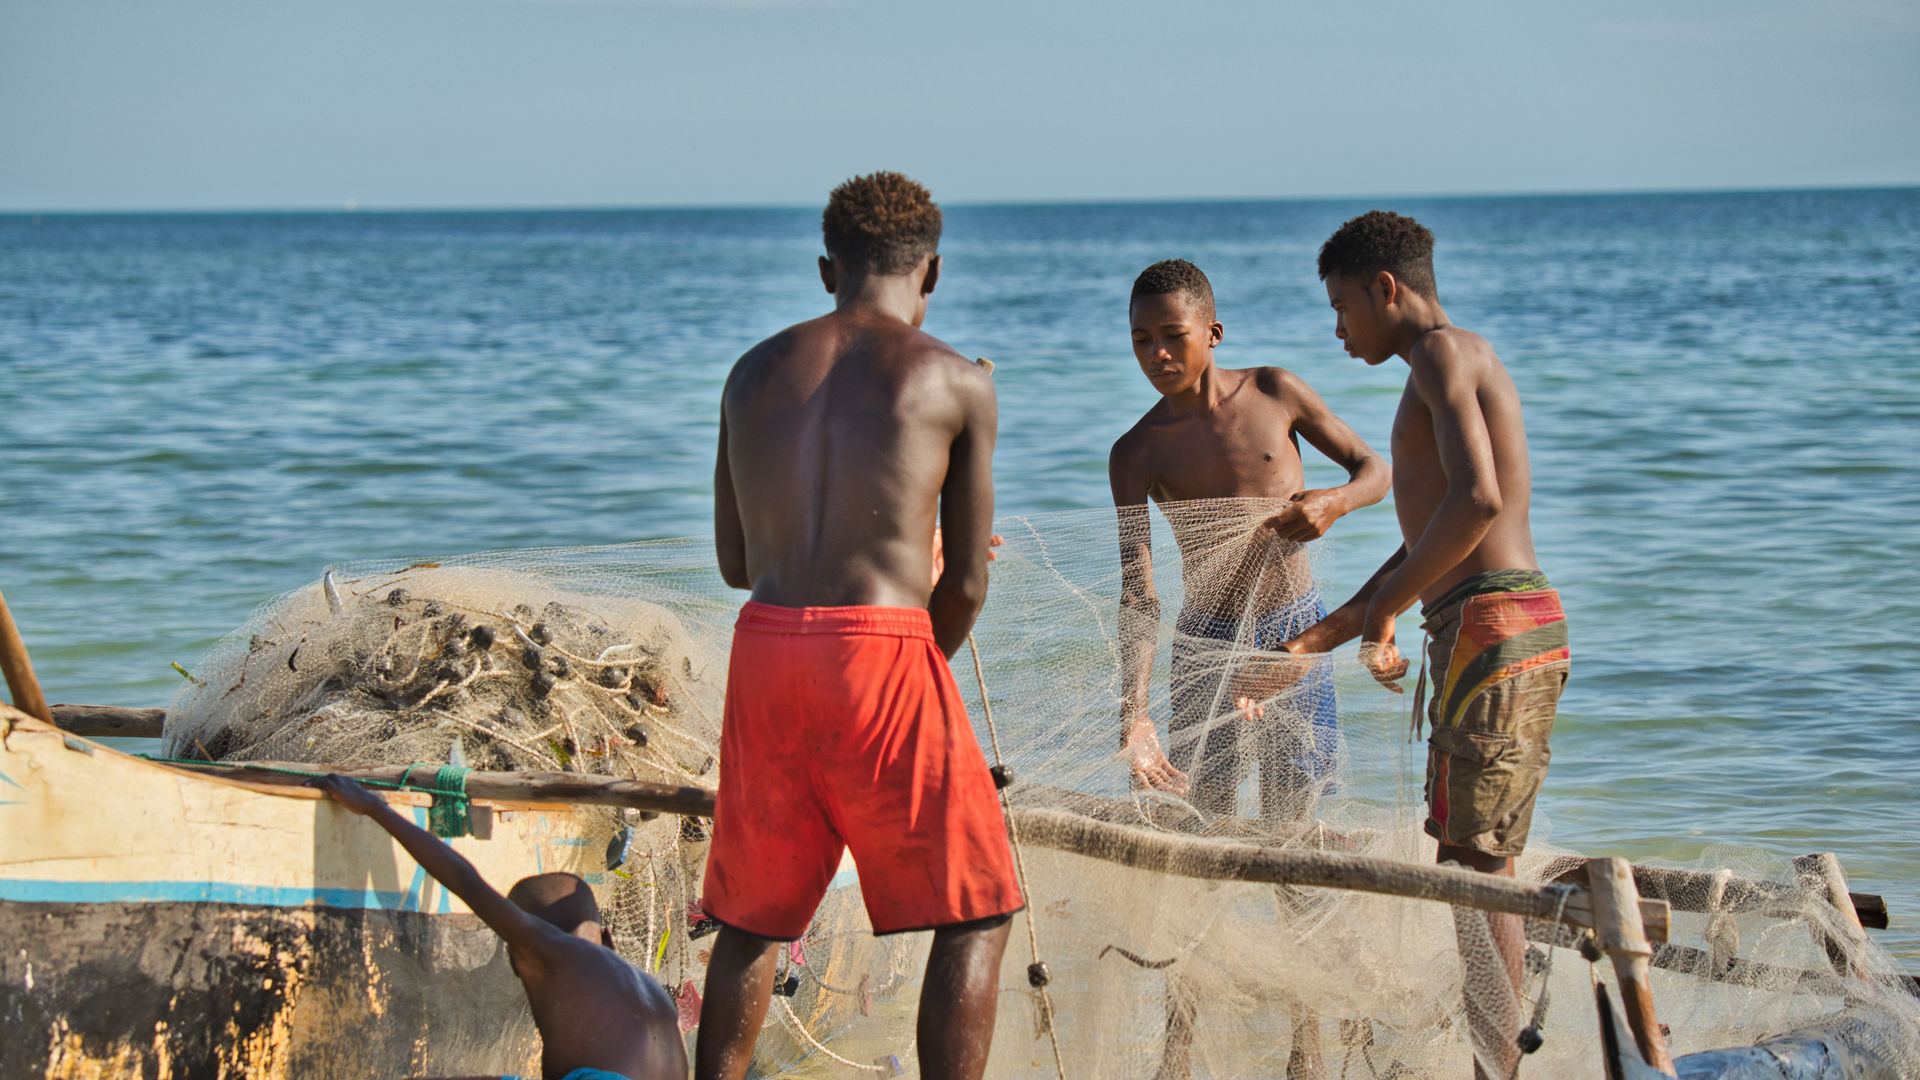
{"x": 600, "y": 1018}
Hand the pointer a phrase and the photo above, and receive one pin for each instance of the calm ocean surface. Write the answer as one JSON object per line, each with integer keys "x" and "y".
{"x": 200, "y": 412}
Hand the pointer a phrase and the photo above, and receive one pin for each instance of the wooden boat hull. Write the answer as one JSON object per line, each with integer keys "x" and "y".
{"x": 161, "y": 924}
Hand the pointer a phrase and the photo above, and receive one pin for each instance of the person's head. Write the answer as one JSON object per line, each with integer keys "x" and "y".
{"x": 880, "y": 225}
{"x": 563, "y": 900}
{"x": 1376, "y": 267}
{"x": 1174, "y": 329}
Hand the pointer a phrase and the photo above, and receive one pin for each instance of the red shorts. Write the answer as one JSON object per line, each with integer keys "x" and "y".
{"x": 844, "y": 730}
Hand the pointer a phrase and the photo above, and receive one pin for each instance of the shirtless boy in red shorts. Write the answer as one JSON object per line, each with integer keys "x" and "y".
{"x": 841, "y": 440}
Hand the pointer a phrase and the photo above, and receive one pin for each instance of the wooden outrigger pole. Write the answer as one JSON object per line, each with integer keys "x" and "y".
{"x": 1193, "y": 857}
{"x": 21, "y": 684}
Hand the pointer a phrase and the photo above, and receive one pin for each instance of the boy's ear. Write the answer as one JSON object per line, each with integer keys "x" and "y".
{"x": 829, "y": 274}
{"x": 1215, "y": 333}
{"x": 933, "y": 276}
{"x": 1387, "y": 286}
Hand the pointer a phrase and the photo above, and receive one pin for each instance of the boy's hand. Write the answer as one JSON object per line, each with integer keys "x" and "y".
{"x": 1149, "y": 763}
{"x": 1379, "y": 655}
{"x": 350, "y": 794}
{"x": 1308, "y": 516}
{"x": 1263, "y": 678}
{"x": 940, "y": 553}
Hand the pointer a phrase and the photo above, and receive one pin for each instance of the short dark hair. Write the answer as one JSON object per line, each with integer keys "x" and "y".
{"x": 1177, "y": 276}
{"x": 1381, "y": 240}
{"x": 561, "y": 899}
{"x": 883, "y": 222}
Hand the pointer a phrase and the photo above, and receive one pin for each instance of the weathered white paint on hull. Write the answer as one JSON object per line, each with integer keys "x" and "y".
{"x": 163, "y": 924}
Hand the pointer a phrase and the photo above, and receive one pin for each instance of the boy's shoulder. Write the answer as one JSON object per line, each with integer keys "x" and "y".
{"x": 1451, "y": 351}
{"x": 1281, "y": 384}
{"x": 581, "y": 959}
{"x": 1134, "y": 440}
{"x": 832, "y": 334}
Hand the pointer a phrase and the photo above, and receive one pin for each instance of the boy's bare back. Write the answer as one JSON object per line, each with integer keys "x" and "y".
{"x": 591, "y": 1007}
{"x": 840, "y": 435}
{"x": 594, "y": 1009}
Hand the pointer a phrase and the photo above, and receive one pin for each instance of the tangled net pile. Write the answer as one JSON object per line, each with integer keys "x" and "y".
{"x": 612, "y": 660}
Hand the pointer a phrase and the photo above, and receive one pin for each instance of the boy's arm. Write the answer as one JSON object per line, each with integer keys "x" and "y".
{"x": 1139, "y": 624}
{"x": 1343, "y": 623}
{"x": 966, "y": 516}
{"x": 729, "y": 537}
{"x": 1445, "y": 377}
{"x": 519, "y": 930}
{"x": 1313, "y": 512}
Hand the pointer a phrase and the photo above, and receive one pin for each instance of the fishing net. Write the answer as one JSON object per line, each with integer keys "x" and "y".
{"x": 612, "y": 661}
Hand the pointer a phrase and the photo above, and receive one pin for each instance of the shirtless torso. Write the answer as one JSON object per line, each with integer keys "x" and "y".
{"x": 1217, "y": 433}
{"x": 1246, "y": 447}
{"x": 591, "y": 1007}
{"x": 844, "y": 440}
{"x": 841, "y": 440}
{"x": 1451, "y": 366}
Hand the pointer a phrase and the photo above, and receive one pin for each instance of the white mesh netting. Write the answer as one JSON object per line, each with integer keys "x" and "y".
{"x": 612, "y": 661}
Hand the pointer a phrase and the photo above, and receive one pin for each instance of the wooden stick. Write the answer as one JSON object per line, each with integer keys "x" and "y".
{"x": 1820, "y": 874}
{"x": 1618, "y": 929}
{"x": 96, "y": 721}
{"x": 1228, "y": 861}
{"x": 1738, "y": 972}
{"x": 1701, "y": 964}
{"x": 1688, "y": 890}
{"x": 18, "y": 669}
{"x": 550, "y": 787}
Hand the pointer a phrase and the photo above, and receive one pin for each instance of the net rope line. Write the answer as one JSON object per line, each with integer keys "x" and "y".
{"x": 791, "y": 1020}
{"x": 1035, "y": 975}
{"x": 1537, "y": 1024}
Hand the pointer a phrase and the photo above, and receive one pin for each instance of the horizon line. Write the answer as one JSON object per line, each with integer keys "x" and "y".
{"x": 351, "y": 206}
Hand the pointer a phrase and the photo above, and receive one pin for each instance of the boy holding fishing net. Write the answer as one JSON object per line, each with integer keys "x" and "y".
{"x": 1497, "y": 652}
{"x": 1220, "y": 454}
{"x": 844, "y": 440}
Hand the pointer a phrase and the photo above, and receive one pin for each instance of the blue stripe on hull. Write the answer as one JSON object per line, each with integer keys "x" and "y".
{"x": 205, "y": 892}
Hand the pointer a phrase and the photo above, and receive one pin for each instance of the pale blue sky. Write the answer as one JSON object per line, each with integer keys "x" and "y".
{"x": 277, "y": 103}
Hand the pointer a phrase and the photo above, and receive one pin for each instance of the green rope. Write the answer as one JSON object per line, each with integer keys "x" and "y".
{"x": 448, "y": 817}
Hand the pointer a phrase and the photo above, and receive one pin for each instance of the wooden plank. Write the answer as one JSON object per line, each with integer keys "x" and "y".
{"x": 1699, "y": 962}
{"x": 109, "y": 721}
{"x": 22, "y": 686}
{"x": 1620, "y": 934}
{"x": 1687, "y": 890}
{"x": 1820, "y": 874}
{"x": 1871, "y": 908}
{"x": 527, "y": 787}
{"x": 1230, "y": 861}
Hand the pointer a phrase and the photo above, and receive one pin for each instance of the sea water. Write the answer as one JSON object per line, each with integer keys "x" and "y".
{"x": 198, "y": 412}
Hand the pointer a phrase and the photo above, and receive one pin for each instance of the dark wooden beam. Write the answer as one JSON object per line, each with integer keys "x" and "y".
{"x": 1687, "y": 890}
{"x": 551, "y": 787}
{"x": 101, "y": 721}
